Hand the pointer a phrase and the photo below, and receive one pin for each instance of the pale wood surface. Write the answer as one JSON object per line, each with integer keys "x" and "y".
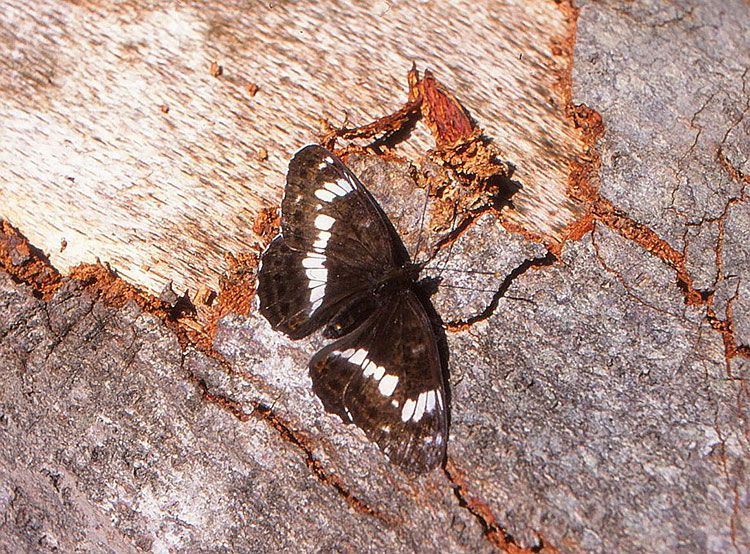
{"x": 89, "y": 157}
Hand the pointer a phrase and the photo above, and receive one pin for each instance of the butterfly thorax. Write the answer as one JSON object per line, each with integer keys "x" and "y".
{"x": 399, "y": 278}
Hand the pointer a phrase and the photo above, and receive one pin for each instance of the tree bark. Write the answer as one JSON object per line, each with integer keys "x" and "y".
{"x": 598, "y": 390}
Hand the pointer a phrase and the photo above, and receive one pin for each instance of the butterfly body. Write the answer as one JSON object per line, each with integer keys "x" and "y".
{"x": 339, "y": 264}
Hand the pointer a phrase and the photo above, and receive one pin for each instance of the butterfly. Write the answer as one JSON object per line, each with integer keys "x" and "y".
{"x": 339, "y": 263}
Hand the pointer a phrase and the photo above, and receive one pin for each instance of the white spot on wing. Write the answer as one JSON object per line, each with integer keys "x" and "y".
{"x": 430, "y": 406}
{"x": 323, "y": 164}
{"x": 358, "y": 357}
{"x": 388, "y": 385}
{"x": 335, "y": 189}
{"x": 379, "y": 371}
{"x": 345, "y": 184}
{"x": 325, "y": 195}
{"x": 316, "y": 305}
{"x": 317, "y": 275}
{"x": 369, "y": 368}
{"x": 408, "y": 410}
{"x": 324, "y": 222}
{"x": 320, "y": 244}
{"x": 419, "y": 410}
{"x": 316, "y": 293}
{"x": 310, "y": 262}
{"x": 346, "y": 353}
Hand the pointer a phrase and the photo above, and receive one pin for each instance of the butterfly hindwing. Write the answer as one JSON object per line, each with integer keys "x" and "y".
{"x": 385, "y": 377}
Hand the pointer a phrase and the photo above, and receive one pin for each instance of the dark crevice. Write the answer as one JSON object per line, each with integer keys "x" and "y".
{"x": 542, "y": 261}
{"x": 488, "y": 529}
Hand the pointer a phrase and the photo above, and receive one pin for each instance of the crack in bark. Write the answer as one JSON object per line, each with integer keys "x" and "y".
{"x": 494, "y": 533}
{"x": 744, "y": 111}
{"x": 628, "y": 290}
{"x": 688, "y": 152}
{"x": 675, "y": 19}
{"x": 605, "y": 212}
{"x": 542, "y": 261}
{"x": 731, "y": 344}
{"x": 266, "y": 414}
{"x": 731, "y": 483}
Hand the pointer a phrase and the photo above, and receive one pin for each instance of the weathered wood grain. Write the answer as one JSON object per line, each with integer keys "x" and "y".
{"x": 91, "y": 158}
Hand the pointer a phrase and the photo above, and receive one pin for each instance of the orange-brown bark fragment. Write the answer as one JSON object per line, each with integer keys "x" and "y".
{"x": 266, "y": 223}
{"x": 236, "y": 290}
{"x": 112, "y": 290}
{"x": 446, "y": 117}
{"x": 25, "y": 263}
{"x": 215, "y": 69}
{"x": 583, "y": 179}
{"x": 463, "y": 158}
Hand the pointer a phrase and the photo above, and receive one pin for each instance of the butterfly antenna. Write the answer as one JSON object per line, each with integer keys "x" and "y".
{"x": 421, "y": 222}
{"x": 447, "y": 259}
{"x": 442, "y": 269}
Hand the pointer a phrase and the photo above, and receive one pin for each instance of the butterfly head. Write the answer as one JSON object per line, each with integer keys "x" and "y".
{"x": 429, "y": 285}
{"x": 400, "y": 278}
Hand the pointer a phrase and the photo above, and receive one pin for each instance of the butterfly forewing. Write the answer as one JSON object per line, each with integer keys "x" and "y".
{"x": 335, "y": 245}
{"x": 287, "y": 299}
{"x": 325, "y": 205}
{"x": 385, "y": 377}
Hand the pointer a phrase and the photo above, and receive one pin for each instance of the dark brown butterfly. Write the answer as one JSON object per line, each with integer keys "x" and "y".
{"x": 338, "y": 263}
